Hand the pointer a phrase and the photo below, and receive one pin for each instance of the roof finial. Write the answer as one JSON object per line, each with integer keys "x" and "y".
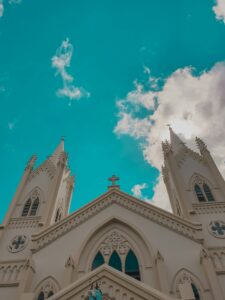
{"x": 114, "y": 180}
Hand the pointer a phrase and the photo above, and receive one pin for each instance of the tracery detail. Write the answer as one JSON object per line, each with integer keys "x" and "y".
{"x": 114, "y": 241}
{"x": 217, "y": 228}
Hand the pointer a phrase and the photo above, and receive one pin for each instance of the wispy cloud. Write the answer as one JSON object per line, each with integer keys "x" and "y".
{"x": 11, "y": 125}
{"x": 61, "y": 62}
{"x": 10, "y": 2}
{"x": 1, "y": 8}
{"x": 219, "y": 10}
{"x": 137, "y": 190}
{"x": 192, "y": 104}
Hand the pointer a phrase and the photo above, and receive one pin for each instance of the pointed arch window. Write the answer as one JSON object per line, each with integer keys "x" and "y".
{"x": 115, "y": 261}
{"x": 26, "y": 208}
{"x": 50, "y": 294}
{"x": 208, "y": 192}
{"x": 98, "y": 260}
{"x": 195, "y": 291}
{"x": 199, "y": 193}
{"x": 34, "y": 207}
{"x": 41, "y": 296}
{"x": 132, "y": 265}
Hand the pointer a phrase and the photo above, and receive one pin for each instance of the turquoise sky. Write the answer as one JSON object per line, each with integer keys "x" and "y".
{"x": 113, "y": 41}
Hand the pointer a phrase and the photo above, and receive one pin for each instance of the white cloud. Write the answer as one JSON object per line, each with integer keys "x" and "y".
{"x": 61, "y": 62}
{"x": 219, "y": 10}
{"x": 137, "y": 189}
{"x": 15, "y": 1}
{"x": 192, "y": 104}
{"x": 11, "y": 125}
{"x": 10, "y": 2}
{"x": 1, "y": 8}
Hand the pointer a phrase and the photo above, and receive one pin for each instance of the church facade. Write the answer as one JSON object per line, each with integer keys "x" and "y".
{"x": 117, "y": 246}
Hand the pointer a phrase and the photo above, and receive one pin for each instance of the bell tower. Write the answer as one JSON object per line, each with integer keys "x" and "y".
{"x": 192, "y": 178}
{"x": 42, "y": 198}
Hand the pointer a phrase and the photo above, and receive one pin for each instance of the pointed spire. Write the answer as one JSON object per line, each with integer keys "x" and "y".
{"x": 201, "y": 145}
{"x": 57, "y": 153}
{"x": 31, "y": 162}
{"x": 175, "y": 141}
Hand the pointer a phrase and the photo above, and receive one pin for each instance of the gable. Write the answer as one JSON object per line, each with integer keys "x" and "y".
{"x": 114, "y": 196}
{"x": 113, "y": 284}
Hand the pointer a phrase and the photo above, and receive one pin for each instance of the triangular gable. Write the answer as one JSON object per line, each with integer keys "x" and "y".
{"x": 113, "y": 284}
{"x": 151, "y": 212}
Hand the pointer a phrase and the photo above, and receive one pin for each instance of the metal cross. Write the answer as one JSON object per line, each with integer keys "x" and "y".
{"x": 19, "y": 242}
{"x": 219, "y": 228}
{"x": 114, "y": 179}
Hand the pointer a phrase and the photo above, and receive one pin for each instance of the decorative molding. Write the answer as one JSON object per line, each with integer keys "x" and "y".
{"x": 205, "y": 208}
{"x": 217, "y": 255}
{"x": 10, "y": 272}
{"x": 27, "y": 222}
{"x": 151, "y": 212}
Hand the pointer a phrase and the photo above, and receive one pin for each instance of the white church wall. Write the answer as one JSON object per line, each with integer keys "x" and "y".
{"x": 177, "y": 250}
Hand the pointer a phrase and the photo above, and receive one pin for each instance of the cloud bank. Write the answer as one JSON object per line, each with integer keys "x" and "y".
{"x": 192, "y": 104}
{"x": 61, "y": 62}
{"x": 219, "y": 10}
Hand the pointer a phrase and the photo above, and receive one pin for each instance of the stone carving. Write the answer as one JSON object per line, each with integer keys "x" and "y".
{"x": 18, "y": 243}
{"x": 217, "y": 228}
{"x": 115, "y": 241}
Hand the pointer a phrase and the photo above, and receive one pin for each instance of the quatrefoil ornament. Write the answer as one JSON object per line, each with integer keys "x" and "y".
{"x": 18, "y": 243}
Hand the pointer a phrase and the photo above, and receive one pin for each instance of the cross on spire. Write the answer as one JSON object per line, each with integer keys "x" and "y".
{"x": 114, "y": 180}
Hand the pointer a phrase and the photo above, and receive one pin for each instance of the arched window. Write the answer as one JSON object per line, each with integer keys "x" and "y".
{"x": 195, "y": 291}
{"x": 50, "y": 294}
{"x": 41, "y": 296}
{"x": 115, "y": 261}
{"x": 132, "y": 266}
{"x": 208, "y": 192}
{"x": 26, "y": 208}
{"x": 98, "y": 261}
{"x": 199, "y": 193}
{"x": 58, "y": 215}
{"x": 34, "y": 207}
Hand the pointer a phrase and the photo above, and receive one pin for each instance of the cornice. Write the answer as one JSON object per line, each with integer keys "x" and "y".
{"x": 208, "y": 208}
{"x": 151, "y": 212}
{"x": 24, "y": 222}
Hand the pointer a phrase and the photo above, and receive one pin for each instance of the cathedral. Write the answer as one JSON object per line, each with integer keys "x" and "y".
{"x": 116, "y": 247}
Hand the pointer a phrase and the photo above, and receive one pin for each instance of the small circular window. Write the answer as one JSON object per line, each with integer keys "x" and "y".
{"x": 217, "y": 228}
{"x": 18, "y": 243}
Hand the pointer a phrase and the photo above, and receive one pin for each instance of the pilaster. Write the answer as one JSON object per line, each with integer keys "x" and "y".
{"x": 61, "y": 165}
{"x": 162, "y": 273}
{"x": 26, "y": 277}
{"x": 210, "y": 273}
{"x": 68, "y": 272}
